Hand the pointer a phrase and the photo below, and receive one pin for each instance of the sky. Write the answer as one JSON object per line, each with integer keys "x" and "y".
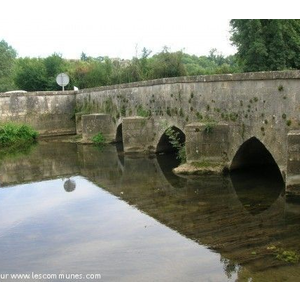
{"x": 118, "y": 28}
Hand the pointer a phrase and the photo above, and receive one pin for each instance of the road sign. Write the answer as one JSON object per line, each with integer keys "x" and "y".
{"x": 62, "y": 79}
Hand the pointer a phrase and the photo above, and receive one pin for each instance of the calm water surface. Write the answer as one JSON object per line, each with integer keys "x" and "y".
{"x": 76, "y": 209}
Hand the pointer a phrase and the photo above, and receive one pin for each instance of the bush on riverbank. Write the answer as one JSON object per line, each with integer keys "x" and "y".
{"x": 16, "y": 135}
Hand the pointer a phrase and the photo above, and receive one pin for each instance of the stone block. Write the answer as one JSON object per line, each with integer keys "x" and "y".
{"x": 206, "y": 142}
{"x": 137, "y": 134}
{"x": 94, "y": 123}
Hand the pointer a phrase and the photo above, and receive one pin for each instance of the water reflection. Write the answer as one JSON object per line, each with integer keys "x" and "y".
{"x": 225, "y": 224}
{"x": 70, "y": 185}
{"x": 257, "y": 188}
{"x": 167, "y": 163}
{"x": 120, "y": 151}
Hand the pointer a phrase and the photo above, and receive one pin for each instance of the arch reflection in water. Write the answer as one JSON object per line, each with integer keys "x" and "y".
{"x": 255, "y": 176}
{"x": 167, "y": 163}
{"x": 119, "y": 143}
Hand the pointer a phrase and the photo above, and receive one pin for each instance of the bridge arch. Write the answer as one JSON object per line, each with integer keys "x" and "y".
{"x": 256, "y": 176}
{"x": 252, "y": 154}
{"x": 119, "y": 133}
{"x": 172, "y": 135}
{"x": 119, "y": 142}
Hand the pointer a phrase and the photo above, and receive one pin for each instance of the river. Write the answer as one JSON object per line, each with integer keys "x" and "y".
{"x": 78, "y": 212}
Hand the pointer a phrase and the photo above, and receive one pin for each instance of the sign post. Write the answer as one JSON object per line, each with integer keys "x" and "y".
{"x": 62, "y": 79}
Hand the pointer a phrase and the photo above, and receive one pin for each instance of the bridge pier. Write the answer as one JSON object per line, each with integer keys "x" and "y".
{"x": 293, "y": 164}
{"x": 93, "y": 124}
{"x": 207, "y": 146}
{"x": 138, "y": 134}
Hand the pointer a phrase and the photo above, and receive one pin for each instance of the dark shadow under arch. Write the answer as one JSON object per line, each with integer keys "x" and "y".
{"x": 165, "y": 143}
{"x": 252, "y": 154}
{"x": 119, "y": 134}
{"x": 119, "y": 143}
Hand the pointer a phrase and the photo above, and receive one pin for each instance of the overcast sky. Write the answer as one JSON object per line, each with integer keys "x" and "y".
{"x": 115, "y": 28}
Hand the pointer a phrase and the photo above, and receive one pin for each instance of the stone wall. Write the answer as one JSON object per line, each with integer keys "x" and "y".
{"x": 51, "y": 113}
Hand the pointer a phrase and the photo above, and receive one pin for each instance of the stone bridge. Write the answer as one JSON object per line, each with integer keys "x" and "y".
{"x": 232, "y": 121}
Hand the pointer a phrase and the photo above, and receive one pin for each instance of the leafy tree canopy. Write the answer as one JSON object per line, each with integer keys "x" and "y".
{"x": 31, "y": 74}
{"x": 39, "y": 74}
{"x": 7, "y": 59}
{"x": 267, "y": 45}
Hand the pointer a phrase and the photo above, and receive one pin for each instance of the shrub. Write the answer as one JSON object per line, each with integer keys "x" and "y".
{"x": 98, "y": 139}
{"x": 15, "y": 135}
{"x": 176, "y": 144}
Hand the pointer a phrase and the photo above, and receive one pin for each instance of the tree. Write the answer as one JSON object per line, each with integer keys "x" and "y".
{"x": 137, "y": 68}
{"x": 78, "y": 71}
{"x": 167, "y": 64}
{"x": 267, "y": 44}
{"x": 31, "y": 74}
{"x": 143, "y": 63}
{"x": 84, "y": 57}
{"x": 7, "y": 60}
{"x": 54, "y": 64}
{"x": 216, "y": 57}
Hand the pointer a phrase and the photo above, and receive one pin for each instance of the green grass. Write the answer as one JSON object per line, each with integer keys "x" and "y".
{"x": 16, "y": 135}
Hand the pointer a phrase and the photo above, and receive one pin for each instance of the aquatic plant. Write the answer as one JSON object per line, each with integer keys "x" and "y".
{"x": 288, "y": 256}
{"x": 285, "y": 255}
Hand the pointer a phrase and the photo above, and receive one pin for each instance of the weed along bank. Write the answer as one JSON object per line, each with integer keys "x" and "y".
{"x": 209, "y": 164}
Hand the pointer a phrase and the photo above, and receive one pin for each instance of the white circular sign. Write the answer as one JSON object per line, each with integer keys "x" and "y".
{"x": 62, "y": 79}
